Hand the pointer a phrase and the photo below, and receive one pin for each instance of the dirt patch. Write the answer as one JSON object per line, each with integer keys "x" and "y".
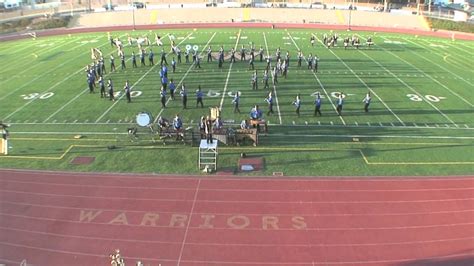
{"x": 82, "y": 160}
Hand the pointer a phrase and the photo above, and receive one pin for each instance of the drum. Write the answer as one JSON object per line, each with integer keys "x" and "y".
{"x": 144, "y": 119}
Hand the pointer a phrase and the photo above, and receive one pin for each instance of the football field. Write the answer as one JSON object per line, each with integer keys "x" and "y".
{"x": 420, "y": 120}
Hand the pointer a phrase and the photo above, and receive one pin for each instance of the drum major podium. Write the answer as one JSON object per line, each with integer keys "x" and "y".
{"x": 207, "y": 155}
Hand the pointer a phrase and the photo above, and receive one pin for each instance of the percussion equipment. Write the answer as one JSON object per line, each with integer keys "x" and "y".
{"x": 215, "y": 113}
{"x": 144, "y": 119}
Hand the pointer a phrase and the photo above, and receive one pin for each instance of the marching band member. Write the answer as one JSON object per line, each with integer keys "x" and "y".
{"x": 300, "y": 58}
{"x": 128, "y": 91}
{"x": 122, "y": 61}
{"x": 315, "y": 63}
{"x": 297, "y": 104}
{"x": 199, "y": 96}
{"x": 172, "y": 87}
{"x": 142, "y": 57}
{"x": 317, "y": 105}
{"x": 112, "y": 63}
{"x": 150, "y": 58}
{"x": 178, "y": 125}
{"x": 110, "y": 85}
{"x": 254, "y": 81}
{"x": 134, "y": 60}
{"x": 265, "y": 79}
{"x": 163, "y": 123}
{"x": 163, "y": 97}
{"x": 269, "y": 100}
{"x": 236, "y": 102}
{"x": 218, "y": 124}
{"x": 310, "y": 61}
{"x": 102, "y": 87}
{"x": 340, "y": 103}
{"x": 209, "y": 54}
{"x": 163, "y": 58}
{"x": 366, "y": 102}
{"x": 208, "y": 130}
{"x": 184, "y": 96}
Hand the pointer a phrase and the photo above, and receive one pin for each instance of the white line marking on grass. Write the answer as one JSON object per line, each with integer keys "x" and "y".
{"x": 123, "y": 94}
{"x": 228, "y": 73}
{"x": 49, "y": 89}
{"x": 430, "y": 77}
{"x": 274, "y": 87}
{"x": 44, "y": 74}
{"x": 34, "y": 65}
{"x": 189, "y": 222}
{"x": 408, "y": 86}
{"x": 273, "y": 134}
{"x": 319, "y": 82}
{"x": 440, "y": 66}
{"x": 185, "y": 75}
{"x": 131, "y": 88}
{"x": 363, "y": 82}
{"x": 75, "y": 98}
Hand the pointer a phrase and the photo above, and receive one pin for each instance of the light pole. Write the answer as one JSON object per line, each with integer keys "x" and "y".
{"x": 350, "y": 13}
{"x": 133, "y": 15}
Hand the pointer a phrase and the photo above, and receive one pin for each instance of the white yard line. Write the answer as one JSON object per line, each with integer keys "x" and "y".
{"x": 138, "y": 81}
{"x": 228, "y": 73}
{"x": 409, "y": 87}
{"x": 46, "y": 73}
{"x": 319, "y": 82}
{"x": 77, "y": 96}
{"x": 363, "y": 82}
{"x": 442, "y": 51}
{"x": 123, "y": 94}
{"x": 185, "y": 75}
{"x": 274, "y": 87}
{"x": 430, "y": 77}
{"x": 440, "y": 66}
{"x": 28, "y": 58}
{"x": 273, "y": 134}
{"x": 296, "y": 125}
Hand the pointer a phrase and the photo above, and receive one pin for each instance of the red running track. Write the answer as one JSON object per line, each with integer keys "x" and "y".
{"x": 53, "y": 218}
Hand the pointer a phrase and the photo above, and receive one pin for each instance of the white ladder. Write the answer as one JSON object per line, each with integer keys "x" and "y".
{"x": 207, "y": 155}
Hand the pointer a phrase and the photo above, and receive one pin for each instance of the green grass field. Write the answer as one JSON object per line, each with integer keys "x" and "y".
{"x": 420, "y": 120}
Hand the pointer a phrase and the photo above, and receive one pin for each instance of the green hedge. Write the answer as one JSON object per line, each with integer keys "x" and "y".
{"x": 34, "y": 24}
{"x": 441, "y": 24}
{"x": 51, "y": 23}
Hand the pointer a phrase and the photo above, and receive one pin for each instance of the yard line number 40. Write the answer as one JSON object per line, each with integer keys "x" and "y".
{"x": 431, "y": 98}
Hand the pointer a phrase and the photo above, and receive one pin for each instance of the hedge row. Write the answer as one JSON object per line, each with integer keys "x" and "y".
{"x": 441, "y": 24}
{"x": 34, "y": 24}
